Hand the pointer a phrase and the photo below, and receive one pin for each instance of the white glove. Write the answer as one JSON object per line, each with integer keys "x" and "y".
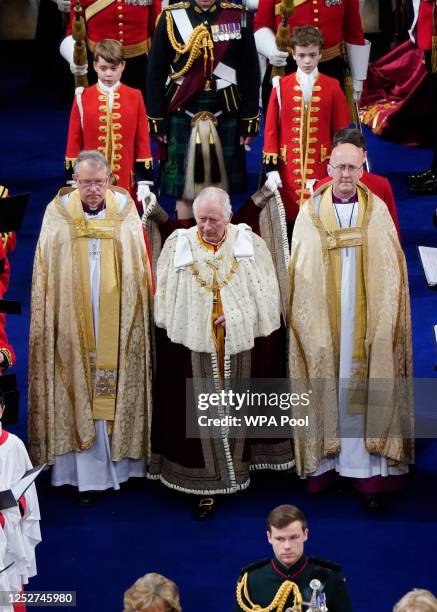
{"x": 63, "y": 5}
{"x": 66, "y": 49}
{"x": 251, "y": 5}
{"x": 78, "y": 70}
{"x": 273, "y": 181}
{"x": 266, "y": 45}
{"x": 357, "y": 89}
{"x": 143, "y": 191}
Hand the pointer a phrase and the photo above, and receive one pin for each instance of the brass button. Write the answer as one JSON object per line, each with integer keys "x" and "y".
{"x": 315, "y": 20}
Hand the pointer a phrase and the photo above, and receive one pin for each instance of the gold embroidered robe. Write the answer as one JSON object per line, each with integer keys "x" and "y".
{"x": 62, "y": 372}
{"x": 386, "y": 362}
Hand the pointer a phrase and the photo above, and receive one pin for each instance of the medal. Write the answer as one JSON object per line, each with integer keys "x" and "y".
{"x": 138, "y": 2}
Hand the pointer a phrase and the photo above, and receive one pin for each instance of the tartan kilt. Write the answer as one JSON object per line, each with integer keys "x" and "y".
{"x": 173, "y": 169}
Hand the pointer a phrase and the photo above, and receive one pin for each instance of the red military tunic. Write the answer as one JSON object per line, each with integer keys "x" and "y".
{"x": 131, "y": 25}
{"x": 338, "y": 22}
{"x": 120, "y": 133}
{"x": 380, "y": 186}
{"x": 297, "y": 137}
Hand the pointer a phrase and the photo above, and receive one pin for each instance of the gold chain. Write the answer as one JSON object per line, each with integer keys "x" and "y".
{"x": 200, "y": 39}
{"x": 195, "y": 272}
{"x": 279, "y": 601}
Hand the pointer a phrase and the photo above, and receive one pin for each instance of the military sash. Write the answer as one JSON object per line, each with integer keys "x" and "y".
{"x": 195, "y": 79}
{"x": 97, "y": 7}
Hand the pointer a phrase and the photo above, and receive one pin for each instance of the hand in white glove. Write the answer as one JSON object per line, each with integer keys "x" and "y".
{"x": 266, "y": 45}
{"x": 143, "y": 191}
{"x": 357, "y": 88}
{"x": 273, "y": 181}
{"x": 278, "y": 58}
{"x": 63, "y": 5}
{"x": 78, "y": 70}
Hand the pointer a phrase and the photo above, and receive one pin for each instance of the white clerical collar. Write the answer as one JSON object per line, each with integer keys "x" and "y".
{"x": 306, "y": 82}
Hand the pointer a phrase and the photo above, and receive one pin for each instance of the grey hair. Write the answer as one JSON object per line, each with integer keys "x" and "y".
{"x": 93, "y": 158}
{"x": 216, "y": 195}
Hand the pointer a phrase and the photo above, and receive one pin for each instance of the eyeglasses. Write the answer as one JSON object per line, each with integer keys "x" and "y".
{"x": 341, "y": 168}
{"x": 87, "y": 184}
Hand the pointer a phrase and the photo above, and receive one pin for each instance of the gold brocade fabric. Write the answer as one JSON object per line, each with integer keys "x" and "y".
{"x": 327, "y": 217}
{"x": 62, "y": 377}
{"x": 359, "y": 357}
{"x": 106, "y": 361}
{"x": 314, "y": 331}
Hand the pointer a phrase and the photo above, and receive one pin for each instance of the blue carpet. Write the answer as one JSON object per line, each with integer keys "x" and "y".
{"x": 100, "y": 551}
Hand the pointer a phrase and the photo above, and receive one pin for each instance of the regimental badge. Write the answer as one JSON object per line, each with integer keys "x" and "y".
{"x": 225, "y": 31}
{"x": 332, "y": 2}
{"x": 138, "y": 2}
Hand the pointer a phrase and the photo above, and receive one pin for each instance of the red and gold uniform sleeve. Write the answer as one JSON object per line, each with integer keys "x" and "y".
{"x": 75, "y": 136}
{"x": 340, "y": 110}
{"x": 271, "y": 134}
{"x": 143, "y": 152}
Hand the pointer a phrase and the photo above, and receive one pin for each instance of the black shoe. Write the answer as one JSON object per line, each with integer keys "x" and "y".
{"x": 86, "y": 499}
{"x": 418, "y": 176}
{"x": 373, "y": 503}
{"x": 205, "y": 508}
{"x": 427, "y": 186}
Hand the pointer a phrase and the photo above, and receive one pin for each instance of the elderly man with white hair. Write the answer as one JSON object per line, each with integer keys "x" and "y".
{"x": 217, "y": 304}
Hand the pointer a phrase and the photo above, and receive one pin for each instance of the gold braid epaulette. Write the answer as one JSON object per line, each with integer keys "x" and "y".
{"x": 278, "y": 602}
{"x": 200, "y": 39}
{"x": 177, "y": 5}
{"x": 232, "y": 5}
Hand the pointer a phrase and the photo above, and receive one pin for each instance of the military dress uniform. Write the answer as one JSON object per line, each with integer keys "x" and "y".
{"x": 210, "y": 61}
{"x": 338, "y": 20}
{"x": 118, "y": 130}
{"x": 264, "y": 582}
{"x": 297, "y": 136}
{"x": 131, "y": 22}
